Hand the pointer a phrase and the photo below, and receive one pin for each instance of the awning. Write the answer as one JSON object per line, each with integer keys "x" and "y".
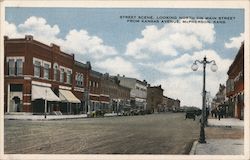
{"x": 68, "y": 96}
{"x": 41, "y": 92}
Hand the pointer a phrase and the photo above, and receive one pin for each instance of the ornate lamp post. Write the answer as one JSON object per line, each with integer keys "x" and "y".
{"x": 214, "y": 69}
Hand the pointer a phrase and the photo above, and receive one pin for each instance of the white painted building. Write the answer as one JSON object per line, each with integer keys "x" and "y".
{"x": 138, "y": 92}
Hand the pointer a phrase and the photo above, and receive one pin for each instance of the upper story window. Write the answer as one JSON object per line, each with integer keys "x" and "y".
{"x": 37, "y": 69}
{"x": 56, "y": 72}
{"x": 62, "y": 75}
{"x": 69, "y": 77}
{"x": 79, "y": 79}
{"x": 230, "y": 85}
{"x": 41, "y": 65}
{"x": 12, "y": 67}
{"x": 15, "y": 65}
{"x": 19, "y": 67}
{"x": 46, "y": 70}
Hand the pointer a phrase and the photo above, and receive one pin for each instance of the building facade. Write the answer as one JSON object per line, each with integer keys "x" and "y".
{"x": 39, "y": 78}
{"x": 220, "y": 100}
{"x": 119, "y": 96}
{"x": 169, "y": 104}
{"x": 154, "y": 99}
{"x": 81, "y": 73}
{"x": 235, "y": 84}
{"x": 138, "y": 91}
{"x": 94, "y": 91}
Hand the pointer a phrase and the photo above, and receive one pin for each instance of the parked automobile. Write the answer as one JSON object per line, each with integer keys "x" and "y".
{"x": 198, "y": 112}
{"x": 190, "y": 114}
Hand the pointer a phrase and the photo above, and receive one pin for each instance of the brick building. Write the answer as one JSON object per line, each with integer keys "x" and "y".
{"x": 119, "y": 96}
{"x": 154, "y": 98}
{"x": 169, "y": 104}
{"x": 235, "y": 84}
{"x": 38, "y": 75}
{"x": 81, "y": 83}
{"x": 94, "y": 91}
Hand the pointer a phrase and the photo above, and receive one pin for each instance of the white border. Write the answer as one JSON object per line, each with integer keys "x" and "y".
{"x": 130, "y": 4}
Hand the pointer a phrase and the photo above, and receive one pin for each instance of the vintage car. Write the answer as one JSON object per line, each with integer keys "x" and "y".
{"x": 190, "y": 114}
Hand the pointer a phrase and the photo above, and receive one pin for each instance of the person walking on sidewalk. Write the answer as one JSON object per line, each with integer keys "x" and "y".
{"x": 220, "y": 113}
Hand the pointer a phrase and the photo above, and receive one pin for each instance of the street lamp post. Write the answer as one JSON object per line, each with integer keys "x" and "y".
{"x": 195, "y": 68}
{"x": 45, "y": 104}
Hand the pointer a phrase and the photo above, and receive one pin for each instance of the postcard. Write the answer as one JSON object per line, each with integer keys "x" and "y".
{"x": 125, "y": 79}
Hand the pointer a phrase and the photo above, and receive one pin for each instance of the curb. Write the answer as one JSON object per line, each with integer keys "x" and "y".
{"x": 52, "y": 119}
{"x": 226, "y": 126}
{"x": 193, "y": 150}
{"x": 220, "y": 126}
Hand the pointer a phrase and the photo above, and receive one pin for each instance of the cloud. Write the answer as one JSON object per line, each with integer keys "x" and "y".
{"x": 38, "y": 26}
{"x": 182, "y": 65}
{"x": 81, "y": 42}
{"x": 169, "y": 39}
{"x": 183, "y": 83}
{"x": 235, "y": 42}
{"x": 118, "y": 65}
{"x": 11, "y": 30}
{"x": 75, "y": 41}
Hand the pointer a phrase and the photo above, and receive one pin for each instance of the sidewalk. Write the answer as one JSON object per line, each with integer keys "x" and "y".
{"x": 220, "y": 146}
{"x": 49, "y": 117}
{"x": 225, "y": 122}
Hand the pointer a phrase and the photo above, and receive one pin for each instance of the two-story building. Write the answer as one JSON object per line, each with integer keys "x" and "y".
{"x": 38, "y": 78}
{"x": 138, "y": 91}
{"x": 235, "y": 84}
{"x": 154, "y": 98}
{"x": 119, "y": 96}
{"x": 170, "y": 104}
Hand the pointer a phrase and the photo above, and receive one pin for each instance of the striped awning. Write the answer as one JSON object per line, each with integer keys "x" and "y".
{"x": 42, "y": 92}
{"x": 68, "y": 96}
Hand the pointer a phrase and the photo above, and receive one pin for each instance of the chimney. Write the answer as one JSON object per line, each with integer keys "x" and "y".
{"x": 6, "y": 37}
{"x": 88, "y": 64}
{"x": 55, "y": 47}
{"x": 29, "y": 37}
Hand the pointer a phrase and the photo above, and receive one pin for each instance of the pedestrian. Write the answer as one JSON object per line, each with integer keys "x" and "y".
{"x": 219, "y": 112}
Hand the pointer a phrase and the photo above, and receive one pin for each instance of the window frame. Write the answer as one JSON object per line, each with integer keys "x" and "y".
{"x": 47, "y": 68}
{"x": 62, "y": 75}
{"x": 19, "y": 70}
{"x": 37, "y": 65}
{"x": 11, "y": 68}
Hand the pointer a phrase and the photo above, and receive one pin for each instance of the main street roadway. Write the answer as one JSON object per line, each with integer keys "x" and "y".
{"x": 167, "y": 133}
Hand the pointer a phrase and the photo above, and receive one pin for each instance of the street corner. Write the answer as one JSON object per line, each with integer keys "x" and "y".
{"x": 220, "y": 147}
{"x": 193, "y": 149}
